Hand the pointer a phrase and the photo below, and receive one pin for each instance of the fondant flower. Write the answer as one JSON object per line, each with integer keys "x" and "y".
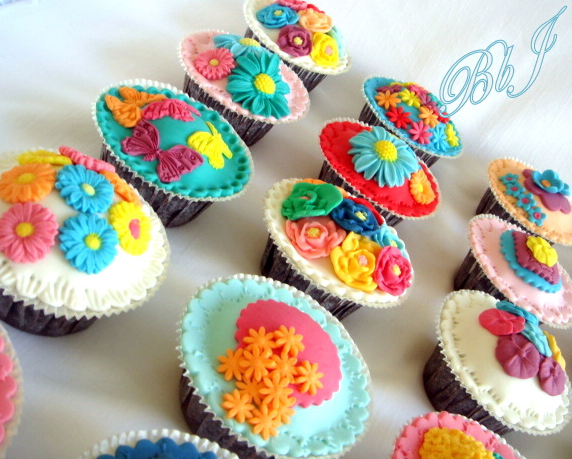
{"x": 325, "y": 50}
{"x": 275, "y": 16}
{"x": 308, "y": 377}
{"x": 314, "y": 237}
{"x": 420, "y": 133}
{"x": 338, "y": 37}
{"x": 276, "y": 392}
{"x": 89, "y": 243}
{"x": 237, "y": 45}
{"x": 287, "y": 339}
{"x": 259, "y": 338}
{"x": 526, "y": 201}
{"x": 556, "y": 352}
{"x": 215, "y": 64}
{"x": 409, "y": 98}
{"x": 393, "y": 271}
{"x": 387, "y": 100}
{"x": 439, "y": 139}
{"x": 536, "y": 216}
{"x": 500, "y": 322}
{"x": 552, "y": 377}
{"x": 285, "y": 366}
{"x": 386, "y": 236}
{"x": 420, "y": 188}
{"x": 380, "y": 155}
{"x": 296, "y": 5}
{"x": 252, "y": 388}
{"x": 428, "y": 116}
{"x": 30, "y": 182}
{"x": 517, "y": 311}
{"x": 443, "y": 442}
{"x": 354, "y": 262}
{"x": 542, "y": 251}
{"x": 265, "y": 422}
{"x": 398, "y": 117}
{"x": 237, "y": 405}
{"x": 512, "y": 185}
{"x": 121, "y": 188}
{"x": 256, "y": 363}
{"x": 256, "y": 83}
{"x": 77, "y": 157}
{"x": 356, "y": 217}
{"x": 295, "y": 41}
{"x": 550, "y": 182}
{"x": 132, "y": 225}
{"x": 84, "y": 190}
{"x": 230, "y": 364}
{"x": 393, "y": 87}
{"x": 554, "y": 201}
{"x": 315, "y": 21}
{"x": 164, "y": 448}
{"x": 518, "y": 356}
{"x": 451, "y": 134}
{"x": 27, "y": 232}
{"x": 309, "y": 200}
{"x": 43, "y": 156}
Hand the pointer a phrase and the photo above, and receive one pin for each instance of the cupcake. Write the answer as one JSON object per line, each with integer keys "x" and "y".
{"x": 334, "y": 247}
{"x": 495, "y": 365}
{"x": 76, "y": 242}
{"x": 178, "y": 154}
{"x": 267, "y": 372}
{"x": 248, "y": 85}
{"x": 413, "y": 114}
{"x": 537, "y": 201}
{"x": 156, "y": 444}
{"x": 371, "y": 163}
{"x": 515, "y": 266}
{"x": 449, "y": 435}
{"x": 11, "y": 389}
{"x": 304, "y": 37}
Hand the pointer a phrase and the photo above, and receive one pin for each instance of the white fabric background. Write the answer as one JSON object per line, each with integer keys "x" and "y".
{"x": 122, "y": 373}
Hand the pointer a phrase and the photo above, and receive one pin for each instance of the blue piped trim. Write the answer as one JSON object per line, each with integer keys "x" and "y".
{"x": 517, "y": 311}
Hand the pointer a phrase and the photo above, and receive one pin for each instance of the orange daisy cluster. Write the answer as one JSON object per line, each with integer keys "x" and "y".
{"x": 263, "y": 371}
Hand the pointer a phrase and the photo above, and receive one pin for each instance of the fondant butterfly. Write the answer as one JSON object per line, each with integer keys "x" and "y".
{"x": 173, "y": 162}
{"x": 127, "y": 112}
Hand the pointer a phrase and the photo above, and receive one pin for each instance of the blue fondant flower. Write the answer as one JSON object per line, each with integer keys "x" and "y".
{"x": 387, "y": 237}
{"x": 383, "y": 156}
{"x": 238, "y": 45}
{"x": 513, "y": 186}
{"x": 84, "y": 190}
{"x": 165, "y": 448}
{"x": 536, "y": 216}
{"x": 256, "y": 83}
{"x": 534, "y": 334}
{"x": 526, "y": 201}
{"x": 89, "y": 243}
{"x": 439, "y": 138}
{"x": 550, "y": 182}
{"x": 517, "y": 311}
{"x": 337, "y": 36}
{"x": 275, "y": 16}
{"x": 355, "y": 217}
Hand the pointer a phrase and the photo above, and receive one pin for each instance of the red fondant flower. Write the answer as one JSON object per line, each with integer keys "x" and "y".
{"x": 518, "y": 356}
{"x": 398, "y": 117}
{"x": 500, "y": 322}
{"x": 392, "y": 271}
{"x": 552, "y": 377}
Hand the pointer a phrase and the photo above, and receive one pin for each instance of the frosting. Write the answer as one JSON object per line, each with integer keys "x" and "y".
{"x": 258, "y": 86}
{"x": 414, "y": 437}
{"x": 554, "y": 225}
{"x": 469, "y": 351}
{"x": 323, "y": 50}
{"x": 318, "y": 430}
{"x": 157, "y": 148}
{"x": 413, "y": 114}
{"x": 381, "y": 167}
{"x": 353, "y": 270}
{"x": 518, "y": 283}
{"x": 85, "y": 271}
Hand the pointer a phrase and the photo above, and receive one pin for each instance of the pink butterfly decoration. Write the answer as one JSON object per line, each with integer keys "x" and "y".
{"x": 174, "y": 108}
{"x": 173, "y": 162}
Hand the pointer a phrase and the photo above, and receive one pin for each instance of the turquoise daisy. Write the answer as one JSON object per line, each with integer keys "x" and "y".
{"x": 238, "y": 45}
{"x": 380, "y": 155}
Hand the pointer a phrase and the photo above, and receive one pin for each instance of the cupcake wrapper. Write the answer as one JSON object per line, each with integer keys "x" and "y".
{"x": 172, "y": 210}
{"x": 249, "y": 130}
{"x": 446, "y": 394}
{"x": 309, "y": 78}
{"x": 490, "y": 205}
{"x": 368, "y": 116}
{"x": 275, "y": 265}
{"x": 471, "y": 276}
{"x": 328, "y": 174}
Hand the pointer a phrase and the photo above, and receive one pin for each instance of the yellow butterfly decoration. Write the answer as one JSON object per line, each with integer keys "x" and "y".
{"x": 128, "y": 112}
{"x": 211, "y": 145}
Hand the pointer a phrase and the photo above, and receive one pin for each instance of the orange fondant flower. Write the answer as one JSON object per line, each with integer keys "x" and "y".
{"x": 121, "y": 187}
{"x": 265, "y": 422}
{"x": 259, "y": 338}
{"x": 237, "y": 406}
{"x": 30, "y": 182}
{"x": 276, "y": 392}
{"x": 251, "y": 388}
{"x": 288, "y": 340}
{"x": 309, "y": 377}
{"x": 230, "y": 365}
{"x": 387, "y": 99}
{"x": 256, "y": 363}
{"x": 420, "y": 188}
{"x": 285, "y": 366}
{"x": 428, "y": 116}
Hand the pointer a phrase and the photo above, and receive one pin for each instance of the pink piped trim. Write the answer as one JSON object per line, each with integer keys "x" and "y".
{"x": 96, "y": 165}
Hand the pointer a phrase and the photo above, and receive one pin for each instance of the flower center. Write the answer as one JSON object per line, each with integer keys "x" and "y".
{"x": 419, "y": 187}
{"x": 26, "y": 178}
{"x": 546, "y": 183}
{"x": 298, "y": 41}
{"x": 328, "y": 51}
{"x": 386, "y": 150}
{"x": 248, "y": 42}
{"x": 24, "y": 229}
{"x": 278, "y": 13}
{"x": 264, "y": 83}
{"x": 93, "y": 241}
{"x": 361, "y": 215}
{"x": 88, "y": 189}
{"x": 396, "y": 270}
{"x": 135, "y": 228}
{"x": 214, "y": 62}
{"x": 362, "y": 260}
{"x": 313, "y": 233}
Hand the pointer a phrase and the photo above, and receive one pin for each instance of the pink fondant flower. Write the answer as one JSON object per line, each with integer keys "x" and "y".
{"x": 296, "y": 5}
{"x": 27, "y": 231}
{"x": 77, "y": 157}
{"x": 552, "y": 377}
{"x": 314, "y": 237}
{"x": 398, "y": 117}
{"x": 215, "y": 64}
{"x": 500, "y": 322}
{"x": 518, "y": 356}
{"x": 393, "y": 271}
{"x": 420, "y": 132}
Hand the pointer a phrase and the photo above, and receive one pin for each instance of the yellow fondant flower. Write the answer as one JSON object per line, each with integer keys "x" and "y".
{"x": 210, "y": 145}
{"x": 542, "y": 251}
{"x": 132, "y": 225}
{"x": 420, "y": 188}
{"x": 354, "y": 261}
{"x": 451, "y": 135}
{"x": 556, "y": 353}
{"x": 410, "y": 98}
{"x": 43, "y": 156}
{"x": 324, "y": 50}
{"x": 441, "y": 442}
{"x": 387, "y": 99}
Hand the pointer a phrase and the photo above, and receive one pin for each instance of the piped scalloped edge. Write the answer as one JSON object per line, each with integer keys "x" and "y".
{"x": 312, "y": 303}
{"x": 296, "y": 261}
{"x": 238, "y": 108}
{"x": 260, "y": 35}
{"x": 503, "y": 289}
{"x": 390, "y": 127}
{"x": 156, "y": 189}
{"x": 470, "y": 388}
{"x": 109, "y": 445}
{"x": 355, "y": 192}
